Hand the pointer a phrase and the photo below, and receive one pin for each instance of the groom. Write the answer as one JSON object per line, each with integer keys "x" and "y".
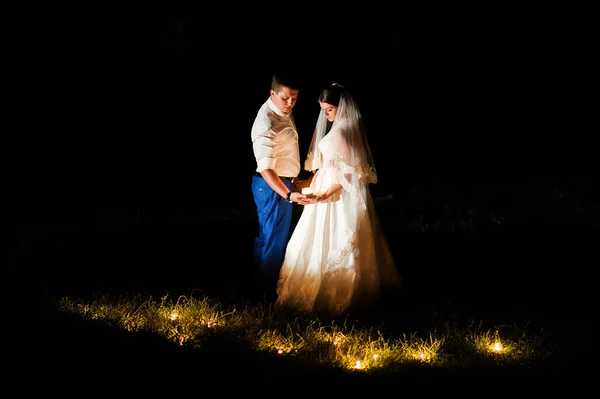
{"x": 276, "y": 150}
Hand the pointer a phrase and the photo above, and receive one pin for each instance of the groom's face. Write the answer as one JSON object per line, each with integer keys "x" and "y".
{"x": 285, "y": 99}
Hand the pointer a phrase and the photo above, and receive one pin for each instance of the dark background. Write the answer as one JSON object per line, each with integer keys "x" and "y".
{"x": 162, "y": 103}
{"x": 146, "y": 117}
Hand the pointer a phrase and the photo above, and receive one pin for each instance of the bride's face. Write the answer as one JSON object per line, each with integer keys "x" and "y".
{"x": 329, "y": 110}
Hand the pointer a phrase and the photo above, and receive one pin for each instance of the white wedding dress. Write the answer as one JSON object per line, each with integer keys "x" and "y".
{"x": 337, "y": 259}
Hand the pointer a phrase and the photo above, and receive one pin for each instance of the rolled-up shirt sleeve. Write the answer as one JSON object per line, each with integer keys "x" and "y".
{"x": 264, "y": 150}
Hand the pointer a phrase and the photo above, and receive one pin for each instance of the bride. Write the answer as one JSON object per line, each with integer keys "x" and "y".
{"x": 337, "y": 259}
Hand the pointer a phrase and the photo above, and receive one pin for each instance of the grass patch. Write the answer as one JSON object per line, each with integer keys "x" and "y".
{"x": 194, "y": 321}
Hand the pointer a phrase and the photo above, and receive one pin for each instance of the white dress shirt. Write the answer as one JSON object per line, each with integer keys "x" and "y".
{"x": 275, "y": 141}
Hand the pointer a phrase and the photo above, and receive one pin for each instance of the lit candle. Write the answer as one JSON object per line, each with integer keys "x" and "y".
{"x": 307, "y": 190}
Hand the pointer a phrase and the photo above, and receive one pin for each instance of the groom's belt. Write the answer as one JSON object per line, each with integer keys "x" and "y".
{"x": 257, "y": 174}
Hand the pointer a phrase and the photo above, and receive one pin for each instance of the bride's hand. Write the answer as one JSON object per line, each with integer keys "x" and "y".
{"x": 307, "y": 199}
{"x": 323, "y": 197}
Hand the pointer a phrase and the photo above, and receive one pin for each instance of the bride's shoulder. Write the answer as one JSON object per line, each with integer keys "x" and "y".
{"x": 340, "y": 126}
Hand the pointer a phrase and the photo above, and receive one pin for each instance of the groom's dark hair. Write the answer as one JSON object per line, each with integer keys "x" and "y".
{"x": 284, "y": 79}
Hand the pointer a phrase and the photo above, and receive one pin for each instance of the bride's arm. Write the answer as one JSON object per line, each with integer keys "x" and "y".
{"x": 334, "y": 188}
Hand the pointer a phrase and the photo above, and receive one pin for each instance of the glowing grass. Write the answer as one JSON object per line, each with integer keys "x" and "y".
{"x": 190, "y": 321}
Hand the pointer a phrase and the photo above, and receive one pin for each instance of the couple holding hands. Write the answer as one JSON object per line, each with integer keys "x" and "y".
{"x": 336, "y": 259}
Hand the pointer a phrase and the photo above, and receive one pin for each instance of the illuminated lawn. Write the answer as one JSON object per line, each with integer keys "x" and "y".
{"x": 194, "y": 322}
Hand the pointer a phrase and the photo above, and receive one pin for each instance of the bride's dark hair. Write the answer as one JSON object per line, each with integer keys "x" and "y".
{"x": 332, "y": 94}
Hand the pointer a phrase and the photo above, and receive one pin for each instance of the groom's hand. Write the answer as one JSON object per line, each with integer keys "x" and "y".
{"x": 306, "y": 199}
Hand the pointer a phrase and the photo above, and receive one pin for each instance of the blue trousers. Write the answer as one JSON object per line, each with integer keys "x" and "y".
{"x": 274, "y": 228}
